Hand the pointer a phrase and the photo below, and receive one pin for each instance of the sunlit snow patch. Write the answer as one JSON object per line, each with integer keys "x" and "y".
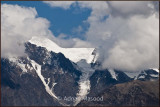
{"x": 74, "y": 54}
{"x": 155, "y": 69}
{"x": 19, "y": 63}
{"x": 113, "y": 74}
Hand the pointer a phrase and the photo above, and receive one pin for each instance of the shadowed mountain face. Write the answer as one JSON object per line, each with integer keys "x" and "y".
{"x": 101, "y": 79}
{"x": 134, "y": 93}
{"x": 18, "y": 89}
{"x": 42, "y": 76}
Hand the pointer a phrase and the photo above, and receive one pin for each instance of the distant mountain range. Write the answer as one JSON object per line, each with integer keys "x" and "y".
{"x": 53, "y": 76}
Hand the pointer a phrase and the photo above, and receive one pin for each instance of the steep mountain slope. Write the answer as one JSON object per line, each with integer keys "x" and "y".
{"x": 57, "y": 74}
{"x": 22, "y": 89}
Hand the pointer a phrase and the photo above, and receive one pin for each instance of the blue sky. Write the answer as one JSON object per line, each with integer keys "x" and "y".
{"x": 61, "y": 20}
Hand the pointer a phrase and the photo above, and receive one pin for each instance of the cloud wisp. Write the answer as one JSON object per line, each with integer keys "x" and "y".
{"x": 62, "y": 4}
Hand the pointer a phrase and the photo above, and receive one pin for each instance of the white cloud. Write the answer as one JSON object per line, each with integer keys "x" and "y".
{"x": 81, "y": 43}
{"x": 137, "y": 47}
{"x": 19, "y": 24}
{"x": 99, "y": 9}
{"x": 71, "y": 42}
{"x": 127, "y": 40}
{"x": 62, "y": 4}
{"x": 129, "y": 8}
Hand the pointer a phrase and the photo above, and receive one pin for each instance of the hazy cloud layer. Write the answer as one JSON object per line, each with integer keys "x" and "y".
{"x": 125, "y": 33}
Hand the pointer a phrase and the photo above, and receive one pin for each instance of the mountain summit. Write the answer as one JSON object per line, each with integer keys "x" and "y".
{"x": 74, "y": 54}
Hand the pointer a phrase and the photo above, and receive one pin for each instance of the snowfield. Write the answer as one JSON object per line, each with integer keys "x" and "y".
{"x": 74, "y": 54}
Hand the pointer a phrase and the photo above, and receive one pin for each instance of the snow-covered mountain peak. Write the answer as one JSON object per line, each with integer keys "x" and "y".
{"x": 74, "y": 54}
{"x": 44, "y": 42}
{"x": 155, "y": 69}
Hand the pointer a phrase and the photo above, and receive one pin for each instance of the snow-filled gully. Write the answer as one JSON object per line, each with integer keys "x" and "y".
{"x": 37, "y": 67}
